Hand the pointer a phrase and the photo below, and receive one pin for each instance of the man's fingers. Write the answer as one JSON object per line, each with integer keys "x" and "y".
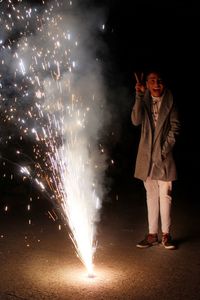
{"x": 136, "y": 77}
{"x": 141, "y": 77}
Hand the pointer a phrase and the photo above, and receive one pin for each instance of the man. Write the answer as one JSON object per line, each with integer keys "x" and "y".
{"x": 155, "y": 111}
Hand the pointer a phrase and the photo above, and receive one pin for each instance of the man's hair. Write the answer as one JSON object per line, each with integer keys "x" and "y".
{"x": 157, "y": 71}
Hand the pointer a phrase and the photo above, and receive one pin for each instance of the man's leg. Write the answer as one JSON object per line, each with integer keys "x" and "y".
{"x": 152, "y": 198}
{"x": 165, "y": 188}
{"x": 165, "y": 191}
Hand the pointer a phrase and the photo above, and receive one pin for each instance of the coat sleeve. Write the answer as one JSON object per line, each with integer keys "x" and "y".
{"x": 137, "y": 111}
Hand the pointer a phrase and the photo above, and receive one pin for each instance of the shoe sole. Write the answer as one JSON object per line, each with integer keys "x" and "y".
{"x": 147, "y": 246}
{"x": 169, "y": 247}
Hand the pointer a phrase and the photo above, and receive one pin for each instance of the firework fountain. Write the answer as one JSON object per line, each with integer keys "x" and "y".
{"x": 55, "y": 99}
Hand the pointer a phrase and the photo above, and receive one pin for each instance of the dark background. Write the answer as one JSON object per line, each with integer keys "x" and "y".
{"x": 164, "y": 34}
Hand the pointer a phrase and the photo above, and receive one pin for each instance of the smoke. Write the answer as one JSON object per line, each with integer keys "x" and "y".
{"x": 81, "y": 89}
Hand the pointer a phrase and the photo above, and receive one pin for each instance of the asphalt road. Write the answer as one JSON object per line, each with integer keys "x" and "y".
{"x": 38, "y": 261}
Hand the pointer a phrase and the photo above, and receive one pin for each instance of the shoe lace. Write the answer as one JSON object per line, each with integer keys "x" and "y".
{"x": 151, "y": 237}
{"x": 166, "y": 238}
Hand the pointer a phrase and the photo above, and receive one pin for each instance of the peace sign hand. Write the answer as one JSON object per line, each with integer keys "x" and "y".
{"x": 140, "y": 86}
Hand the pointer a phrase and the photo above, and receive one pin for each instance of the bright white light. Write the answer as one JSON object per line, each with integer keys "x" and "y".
{"x": 22, "y": 67}
{"x": 79, "y": 202}
{"x": 24, "y": 170}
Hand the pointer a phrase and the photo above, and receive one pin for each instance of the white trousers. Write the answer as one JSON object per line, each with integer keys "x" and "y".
{"x": 158, "y": 196}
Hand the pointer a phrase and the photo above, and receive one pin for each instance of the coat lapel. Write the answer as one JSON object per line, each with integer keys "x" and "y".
{"x": 165, "y": 107}
{"x": 147, "y": 100}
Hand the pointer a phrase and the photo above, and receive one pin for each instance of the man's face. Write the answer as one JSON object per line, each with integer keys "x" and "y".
{"x": 155, "y": 84}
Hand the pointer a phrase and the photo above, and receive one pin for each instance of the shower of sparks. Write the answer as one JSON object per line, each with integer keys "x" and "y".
{"x": 40, "y": 103}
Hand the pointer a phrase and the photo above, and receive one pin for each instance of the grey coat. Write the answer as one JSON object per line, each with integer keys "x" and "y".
{"x": 155, "y": 157}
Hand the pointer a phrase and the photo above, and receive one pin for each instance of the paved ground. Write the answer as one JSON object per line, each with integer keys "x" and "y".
{"x": 38, "y": 261}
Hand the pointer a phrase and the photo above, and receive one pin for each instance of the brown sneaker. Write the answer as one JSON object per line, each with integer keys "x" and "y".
{"x": 167, "y": 241}
{"x": 149, "y": 240}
